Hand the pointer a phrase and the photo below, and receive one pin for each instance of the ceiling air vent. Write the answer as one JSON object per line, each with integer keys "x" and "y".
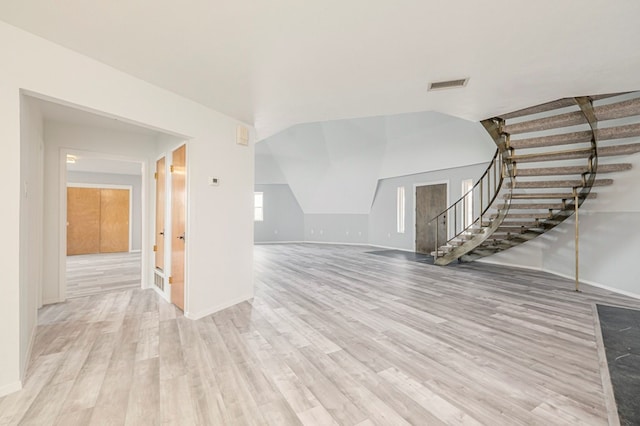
{"x": 449, "y": 84}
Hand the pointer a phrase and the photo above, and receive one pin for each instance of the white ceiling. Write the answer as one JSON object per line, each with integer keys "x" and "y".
{"x": 281, "y": 62}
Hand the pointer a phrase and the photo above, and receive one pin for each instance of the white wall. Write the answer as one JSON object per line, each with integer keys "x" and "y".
{"x": 220, "y": 240}
{"x": 333, "y": 167}
{"x": 383, "y": 216}
{"x": 283, "y": 217}
{"x": 609, "y": 235}
{"x": 267, "y": 169}
{"x": 31, "y": 213}
{"x": 428, "y": 141}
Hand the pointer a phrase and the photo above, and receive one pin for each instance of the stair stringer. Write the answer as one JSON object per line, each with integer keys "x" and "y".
{"x": 494, "y": 128}
{"x": 473, "y": 248}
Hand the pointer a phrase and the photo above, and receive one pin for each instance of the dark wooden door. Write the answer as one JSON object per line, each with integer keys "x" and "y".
{"x": 430, "y": 201}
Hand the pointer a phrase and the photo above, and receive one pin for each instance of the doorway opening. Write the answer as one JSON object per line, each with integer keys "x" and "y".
{"x": 103, "y": 226}
{"x": 430, "y": 201}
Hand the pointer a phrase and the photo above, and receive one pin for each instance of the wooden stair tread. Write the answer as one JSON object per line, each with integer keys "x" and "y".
{"x": 554, "y": 122}
{"x": 605, "y": 134}
{"x": 558, "y": 183}
{"x": 553, "y": 155}
{"x": 572, "y": 170}
{"x": 627, "y": 149}
{"x": 519, "y": 229}
{"x": 607, "y": 95}
{"x": 544, "y": 196}
{"x": 553, "y": 140}
{"x": 525, "y": 215}
{"x": 533, "y": 206}
{"x": 622, "y": 109}
{"x": 548, "y": 106}
{"x": 612, "y": 111}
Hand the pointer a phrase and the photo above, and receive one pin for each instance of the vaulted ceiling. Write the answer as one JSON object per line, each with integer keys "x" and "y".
{"x": 281, "y": 62}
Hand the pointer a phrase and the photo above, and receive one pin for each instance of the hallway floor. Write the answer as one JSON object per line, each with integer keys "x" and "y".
{"x": 91, "y": 274}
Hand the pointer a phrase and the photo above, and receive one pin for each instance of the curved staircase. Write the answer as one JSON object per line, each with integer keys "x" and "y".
{"x": 550, "y": 159}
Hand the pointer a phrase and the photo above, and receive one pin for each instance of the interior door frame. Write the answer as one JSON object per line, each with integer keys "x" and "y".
{"x": 415, "y": 188}
{"x": 107, "y": 186}
{"x": 62, "y": 214}
{"x": 166, "y": 272}
{"x": 169, "y": 219}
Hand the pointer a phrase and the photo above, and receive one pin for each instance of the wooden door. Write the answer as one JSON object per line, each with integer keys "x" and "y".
{"x": 160, "y": 210}
{"x": 83, "y": 220}
{"x": 114, "y": 220}
{"x": 178, "y": 225}
{"x": 430, "y": 201}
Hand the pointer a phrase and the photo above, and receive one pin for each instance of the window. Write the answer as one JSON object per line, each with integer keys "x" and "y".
{"x": 400, "y": 210}
{"x": 467, "y": 203}
{"x": 258, "y": 211}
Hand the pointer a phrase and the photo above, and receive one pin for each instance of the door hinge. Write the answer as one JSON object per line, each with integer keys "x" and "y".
{"x": 171, "y": 168}
{"x": 155, "y": 175}
{"x": 170, "y": 280}
{"x": 155, "y": 248}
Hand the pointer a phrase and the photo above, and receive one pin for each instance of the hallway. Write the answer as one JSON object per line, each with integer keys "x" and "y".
{"x": 91, "y": 274}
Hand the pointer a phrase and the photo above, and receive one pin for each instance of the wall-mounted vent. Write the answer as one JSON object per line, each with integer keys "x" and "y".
{"x": 449, "y": 84}
{"x": 158, "y": 280}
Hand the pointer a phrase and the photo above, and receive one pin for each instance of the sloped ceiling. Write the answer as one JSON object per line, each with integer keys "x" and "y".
{"x": 334, "y": 167}
{"x": 282, "y": 62}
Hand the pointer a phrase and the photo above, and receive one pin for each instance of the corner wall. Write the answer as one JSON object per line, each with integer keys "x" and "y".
{"x": 31, "y": 214}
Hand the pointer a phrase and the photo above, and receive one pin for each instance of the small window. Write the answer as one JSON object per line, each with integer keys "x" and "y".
{"x": 400, "y": 210}
{"x": 467, "y": 193}
{"x": 258, "y": 211}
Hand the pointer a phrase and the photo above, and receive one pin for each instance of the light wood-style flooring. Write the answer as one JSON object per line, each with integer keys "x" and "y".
{"x": 91, "y": 274}
{"x": 333, "y": 336}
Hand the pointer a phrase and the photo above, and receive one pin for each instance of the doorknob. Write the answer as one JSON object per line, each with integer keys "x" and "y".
{"x": 162, "y": 233}
{"x": 181, "y": 237}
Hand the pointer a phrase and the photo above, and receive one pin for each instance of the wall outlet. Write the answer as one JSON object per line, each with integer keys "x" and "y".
{"x": 213, "y": 181}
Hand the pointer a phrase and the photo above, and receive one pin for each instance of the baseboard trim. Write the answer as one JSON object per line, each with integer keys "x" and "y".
{"x": 391, "y": 248}
{"x": 595, "y": 284}
{"x": 135, "y": 251}
{"x": 512, "y": 265}
{"x": 10, "y": 388}
{"x": 278, "y": 242}
{"x": 225, "y": 305}
{"x": 51, "y": 301}
{"x": 558, "y": 274}
{"x": 336, "y": 243}
{"x": 310, "y": 242}
{"x": 32, "y": 339}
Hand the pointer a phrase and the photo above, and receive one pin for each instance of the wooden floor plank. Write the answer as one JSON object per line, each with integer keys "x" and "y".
{"x": 334, "y": 335}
